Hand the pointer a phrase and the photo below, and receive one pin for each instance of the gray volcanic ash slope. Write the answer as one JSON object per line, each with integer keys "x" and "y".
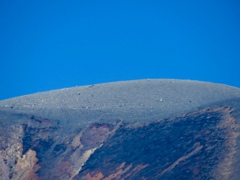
{"x": 147, "y": 129}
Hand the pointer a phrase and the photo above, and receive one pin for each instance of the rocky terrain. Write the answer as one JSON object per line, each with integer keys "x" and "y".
{"x": 148, "y": 129}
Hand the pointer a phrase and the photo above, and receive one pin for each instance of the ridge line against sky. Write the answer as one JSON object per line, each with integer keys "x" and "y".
{"x": 56, "y": 44}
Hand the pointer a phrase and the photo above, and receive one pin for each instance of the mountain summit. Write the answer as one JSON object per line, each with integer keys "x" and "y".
{"x": 143, "y": 129}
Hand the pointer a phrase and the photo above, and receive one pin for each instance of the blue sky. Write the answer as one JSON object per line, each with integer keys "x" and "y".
{"x": 54, "y": 44}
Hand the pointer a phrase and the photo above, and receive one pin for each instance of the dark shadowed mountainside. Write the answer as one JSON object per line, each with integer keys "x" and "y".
{"x": 145, "y": 129}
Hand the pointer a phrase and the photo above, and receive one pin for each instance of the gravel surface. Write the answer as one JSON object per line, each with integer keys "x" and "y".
{"x": 128, "y": 100}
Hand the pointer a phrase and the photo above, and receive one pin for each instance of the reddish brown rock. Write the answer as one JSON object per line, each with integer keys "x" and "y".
{"x": 130, "y": 136}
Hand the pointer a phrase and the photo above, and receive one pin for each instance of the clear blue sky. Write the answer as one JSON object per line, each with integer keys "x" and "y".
{"x": 51, "y": 44}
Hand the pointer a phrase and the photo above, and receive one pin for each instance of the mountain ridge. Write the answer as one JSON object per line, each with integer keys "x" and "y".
{"x": 149, "y": 129}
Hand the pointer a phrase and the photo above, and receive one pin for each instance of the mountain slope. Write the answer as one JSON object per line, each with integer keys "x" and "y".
{"x": 147, "y": 129}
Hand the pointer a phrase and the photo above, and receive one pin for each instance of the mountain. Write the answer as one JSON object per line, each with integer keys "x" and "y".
{"x": 144, "y": 129}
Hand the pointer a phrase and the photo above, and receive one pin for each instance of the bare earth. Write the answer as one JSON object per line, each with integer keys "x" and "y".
{"x": 145, "y": 129}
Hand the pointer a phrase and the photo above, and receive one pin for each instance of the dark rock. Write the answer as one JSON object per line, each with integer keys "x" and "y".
{"x": 149, "y": 129}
